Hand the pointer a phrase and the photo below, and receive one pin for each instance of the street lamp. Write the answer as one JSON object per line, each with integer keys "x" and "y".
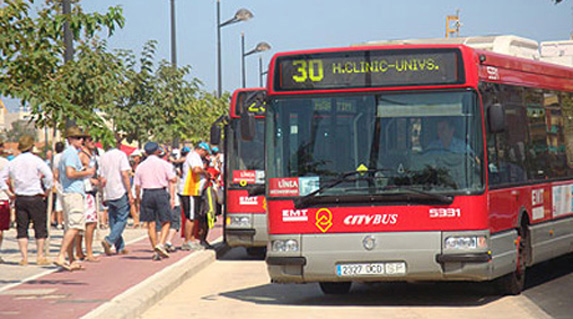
{"x": 261, "y": 71}
{"x": 240, "y": 15}
{"x": 261, "y": 46}
{"x": 173, "y": 36}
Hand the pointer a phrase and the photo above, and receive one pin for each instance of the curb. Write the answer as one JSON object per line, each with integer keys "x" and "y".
{"x": 133, "y": 302}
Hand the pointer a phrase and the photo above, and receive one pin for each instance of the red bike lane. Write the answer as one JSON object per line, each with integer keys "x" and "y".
{"x": 64, "y": 294}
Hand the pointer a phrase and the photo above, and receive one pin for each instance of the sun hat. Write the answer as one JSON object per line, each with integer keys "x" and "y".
{"x": 74, "y": 131}
{"x": 137, "y": 152}
{"x": 25, "y": 143}
{"x": 151, "y": 148}
{"x": 204, "y": 146}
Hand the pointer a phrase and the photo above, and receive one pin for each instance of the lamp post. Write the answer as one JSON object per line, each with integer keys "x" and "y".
{"x": 240, "y": 15}
{"x": 173, "y": 39}
{"x": 261, "y": 46}
{"x": 261, "y": 71}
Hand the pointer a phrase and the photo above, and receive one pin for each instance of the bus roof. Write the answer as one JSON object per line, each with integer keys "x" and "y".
{"x": 238, "y": 96}
{"x": 475, "y": 64}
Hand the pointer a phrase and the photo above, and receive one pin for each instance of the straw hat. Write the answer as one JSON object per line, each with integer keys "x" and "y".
{"x": 25, "y": 143}
{"x": 74, "y": 131}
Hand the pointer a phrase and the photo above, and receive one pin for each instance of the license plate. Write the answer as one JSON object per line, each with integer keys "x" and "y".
{"x": 365, "y": 269}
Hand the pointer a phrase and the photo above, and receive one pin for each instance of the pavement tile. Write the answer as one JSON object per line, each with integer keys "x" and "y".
{"x": 46, "y": 292}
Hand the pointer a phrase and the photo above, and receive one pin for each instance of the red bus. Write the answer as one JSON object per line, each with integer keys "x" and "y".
{"x": 245, "y": 216}
{"x": 416, "y": 163}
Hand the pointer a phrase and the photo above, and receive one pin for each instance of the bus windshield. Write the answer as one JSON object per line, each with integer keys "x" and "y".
{"x": 246, "y": 158}
{"x": 385, "y": 143}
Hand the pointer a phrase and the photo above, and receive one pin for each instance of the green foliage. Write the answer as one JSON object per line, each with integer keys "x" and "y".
{"x": 141, "y": 100}
{"x": 32, "y": 68}
{"x": 160, "y": 103}
{"x": 19, "y": 129}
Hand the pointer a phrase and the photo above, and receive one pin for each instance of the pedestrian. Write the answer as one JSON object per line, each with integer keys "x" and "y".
{"x": 88, "y": 158}
{"x": 72, "y": 175}
{"x": 175, "y": 212}
{"x": 135, "y": 159}
{"x": 58, "y": 215}
{"x": 192, "y": 184}
{"x": 117, "y": 196}
{"x": 154, "y": 176}
{"x": 4, "y": 201}
{"x": 30, "y": 179}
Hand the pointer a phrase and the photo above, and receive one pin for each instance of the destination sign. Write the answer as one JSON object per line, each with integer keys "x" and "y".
{"x": 368, "y": 69}
{"x": 251, "y": 101}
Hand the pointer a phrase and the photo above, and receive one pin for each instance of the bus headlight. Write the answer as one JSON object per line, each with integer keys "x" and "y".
{"x": 239, "y": 221}
{"x": 466, "y": 242}
{"x": 288, "y": 245}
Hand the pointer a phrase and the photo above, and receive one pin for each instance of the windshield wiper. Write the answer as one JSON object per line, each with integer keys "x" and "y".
{"x": 345, "y": 177}
{"x": 441, "y": 198}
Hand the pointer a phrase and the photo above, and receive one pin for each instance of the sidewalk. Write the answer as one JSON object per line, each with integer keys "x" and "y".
{"x": 118, "y": 286}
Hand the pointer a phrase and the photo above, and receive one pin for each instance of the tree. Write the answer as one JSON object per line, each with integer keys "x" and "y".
{"x": 19, "y": 129}
{"x": 160, "y": 103}
{"x": 32, "y": 67}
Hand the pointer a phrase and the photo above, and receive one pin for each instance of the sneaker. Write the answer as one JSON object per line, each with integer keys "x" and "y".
{"x": 106, "y": 247}
{"x": 60, "y": 227}
{"x": 156, "y": 257}
{"x": 197, "y": 246}
{"x": 160, "y": 249}
{"x": 169, "y": 247}
{"x": 186, "y": 246}
{"x": 123, "y": 252}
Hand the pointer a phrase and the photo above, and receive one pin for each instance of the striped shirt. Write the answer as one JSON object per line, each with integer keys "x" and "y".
{"x": 192, "y": 184}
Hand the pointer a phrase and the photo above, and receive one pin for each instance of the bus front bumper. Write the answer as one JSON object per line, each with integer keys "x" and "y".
{"x": 421, "y": 256}
{"x": 251, "y": 234}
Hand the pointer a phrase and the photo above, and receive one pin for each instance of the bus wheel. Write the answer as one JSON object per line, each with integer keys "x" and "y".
{"x": 335, "y": 288}
{"x": 513, "y": 283}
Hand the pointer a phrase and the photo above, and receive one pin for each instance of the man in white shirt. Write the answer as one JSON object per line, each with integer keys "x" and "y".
{"x": 31, "y": 178}
{"x": 115, "y": 169}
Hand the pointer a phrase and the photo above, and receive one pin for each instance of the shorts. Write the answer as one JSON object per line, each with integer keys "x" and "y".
{"x": 31, "y": 208}
{"x": 175, "y": 219}
{"x": 73, "y": 205}
{"x": 90, "y": 210}
{"x": 155, "y": 206}
{"x": 4, "y": 215}
{"x": 190, "y": 206}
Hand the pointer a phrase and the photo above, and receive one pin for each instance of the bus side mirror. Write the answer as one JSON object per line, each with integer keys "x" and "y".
{"x": 215, "y": 135}
{"x": 248, "y": 126}
{"x": 496, "y": 118}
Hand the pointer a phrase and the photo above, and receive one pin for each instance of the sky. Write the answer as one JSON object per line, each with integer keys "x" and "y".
{"x": 289, "y": 25}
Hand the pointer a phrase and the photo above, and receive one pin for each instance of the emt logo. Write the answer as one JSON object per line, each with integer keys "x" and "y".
{"x": 323, "y": 219}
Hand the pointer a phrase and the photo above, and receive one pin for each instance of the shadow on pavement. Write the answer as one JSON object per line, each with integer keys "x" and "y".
{"x": 238, "y": 254}
{"x": 549, "y": 285}
{"x": 57, "y": 282}
{"x": 379, "y": 294}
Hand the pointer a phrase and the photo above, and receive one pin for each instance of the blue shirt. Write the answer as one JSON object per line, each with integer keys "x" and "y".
{"x": 70, "y": 158}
